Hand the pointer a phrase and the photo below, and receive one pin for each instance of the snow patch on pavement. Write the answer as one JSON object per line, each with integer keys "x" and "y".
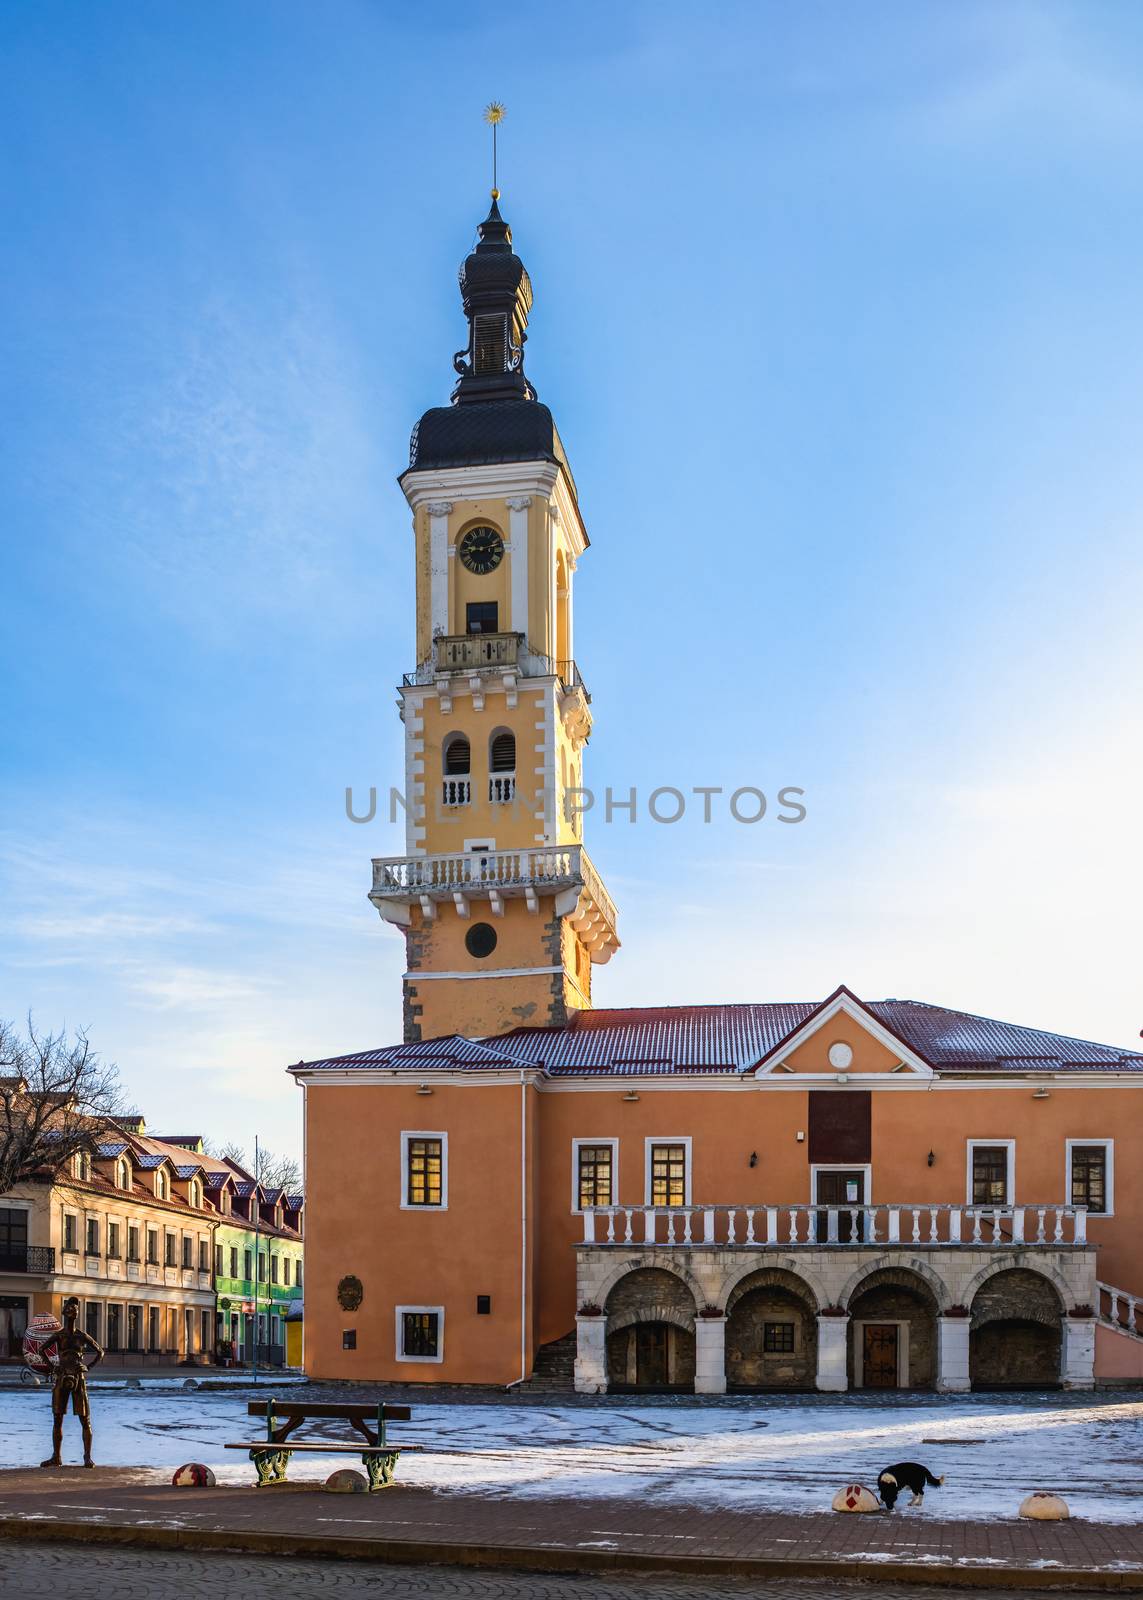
{"x": 781, "y": 1458}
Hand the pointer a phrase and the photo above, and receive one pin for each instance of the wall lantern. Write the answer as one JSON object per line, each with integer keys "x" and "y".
{"x": 1042, "y": 1093}
{"x": 630, "y": 1095}
{"x": 931, "y": 1158}
{"x": 800, "y": 1137}
{"x": 753, "y": 1158}
{"x": 423, "y": 1088}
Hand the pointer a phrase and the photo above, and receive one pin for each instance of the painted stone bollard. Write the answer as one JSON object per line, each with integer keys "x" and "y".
{"x": 855, "y": 1497}
{"x": 193, "y": 1475}
{"x": 346, "y": 1481}
{"x": 1045, "y": 1507}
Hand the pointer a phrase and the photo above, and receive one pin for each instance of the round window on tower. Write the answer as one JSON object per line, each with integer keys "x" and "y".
{"x": 480, "y": 940}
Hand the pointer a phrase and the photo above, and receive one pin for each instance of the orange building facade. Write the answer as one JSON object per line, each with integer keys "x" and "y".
{"x": 831, "y": 1195}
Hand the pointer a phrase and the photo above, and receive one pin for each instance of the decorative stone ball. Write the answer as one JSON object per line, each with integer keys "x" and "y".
{"x": 1045, "y": 1507}
{"x": 193, "y": 1475}
{"x": 855, "y": 1497}
{"x": 346, "y": 1481}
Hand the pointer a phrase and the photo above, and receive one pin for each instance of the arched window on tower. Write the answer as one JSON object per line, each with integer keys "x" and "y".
{"x": 456, "y": 788}
{"x": 502, "y": 766}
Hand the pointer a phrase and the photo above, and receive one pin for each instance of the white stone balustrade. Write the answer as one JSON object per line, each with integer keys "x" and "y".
{"x": 917, "y": 1227}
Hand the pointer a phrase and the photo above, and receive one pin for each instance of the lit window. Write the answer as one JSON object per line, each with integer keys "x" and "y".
{"x": 594, "y": 1186}
{"x": 424, "y": 1170}
{"x": 668, "y": 1174}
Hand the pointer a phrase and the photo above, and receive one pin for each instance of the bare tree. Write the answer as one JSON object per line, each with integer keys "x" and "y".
{"x": 57, "y": 1097}
{"x": 274, "y": 1172}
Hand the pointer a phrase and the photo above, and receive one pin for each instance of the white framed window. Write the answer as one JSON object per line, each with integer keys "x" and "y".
{"x": 667, "y": 1170}
{"x": 595, "y": 1173}
{"x": 990, "y": 1172}
{"x": 161, "y": 1189}
{"x": 424, "y": 1171}
{"x": 420, "y": 1333}
{"x": 1089, "y": 1175}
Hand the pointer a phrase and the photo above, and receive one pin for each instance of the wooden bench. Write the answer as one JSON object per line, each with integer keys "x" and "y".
{"x": 271, "y": 1455}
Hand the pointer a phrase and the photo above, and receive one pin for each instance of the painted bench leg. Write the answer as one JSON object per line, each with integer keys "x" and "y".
{"x": 270, "y": 1465}
{"x": 380, "y": 1469}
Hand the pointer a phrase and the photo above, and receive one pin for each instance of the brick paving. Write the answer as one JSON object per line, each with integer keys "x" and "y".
{"x": 420, "y": 1526}
{"x": 67, "y": 1573}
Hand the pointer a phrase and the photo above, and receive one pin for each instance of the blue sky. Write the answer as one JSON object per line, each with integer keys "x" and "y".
{"x": 838, "y": 310}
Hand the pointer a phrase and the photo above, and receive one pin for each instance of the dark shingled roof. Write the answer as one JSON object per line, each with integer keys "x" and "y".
{"x": 734, "y": 1038}
{"x": 480, "y": 435}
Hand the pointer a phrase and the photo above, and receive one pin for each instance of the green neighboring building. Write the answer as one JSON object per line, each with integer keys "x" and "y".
{"x": 258, "y": 1255}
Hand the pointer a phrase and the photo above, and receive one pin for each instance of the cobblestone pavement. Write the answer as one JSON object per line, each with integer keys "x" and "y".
{"x": 75, "y": 1574}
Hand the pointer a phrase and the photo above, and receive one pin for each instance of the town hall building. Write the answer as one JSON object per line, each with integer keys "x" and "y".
{"x": 831, "y": 1193}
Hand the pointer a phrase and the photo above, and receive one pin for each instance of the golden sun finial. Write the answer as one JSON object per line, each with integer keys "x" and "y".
{"x": 494, "y": 116}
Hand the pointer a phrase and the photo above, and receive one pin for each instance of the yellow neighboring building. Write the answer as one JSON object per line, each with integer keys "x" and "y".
{"x": 503, "y": 913}
{"x": 129, "y": 1231}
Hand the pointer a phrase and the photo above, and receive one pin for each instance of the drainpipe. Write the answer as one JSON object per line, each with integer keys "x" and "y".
{"x": 523, "y": 1228}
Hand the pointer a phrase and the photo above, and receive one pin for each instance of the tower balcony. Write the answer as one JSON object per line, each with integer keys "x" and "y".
{"x": 476, "y": 663}
{"x": 562, "y": 872}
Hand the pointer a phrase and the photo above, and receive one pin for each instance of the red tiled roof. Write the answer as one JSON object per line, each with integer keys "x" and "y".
{"x": 661, "y": 1040}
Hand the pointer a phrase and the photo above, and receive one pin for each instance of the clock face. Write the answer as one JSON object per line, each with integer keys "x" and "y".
{"x": 482, "y": 550}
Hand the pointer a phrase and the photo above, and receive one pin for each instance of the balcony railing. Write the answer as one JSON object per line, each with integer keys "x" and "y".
{"x": 493, "y": 652}
{"x": 34, "y": 1258}
{"x": 920, "y": 1227}
{"x": 456, "y": 792}
{"x": 1119, "y": 1309}
{"x": 502, "y": 788}
{"x": 476, "y": 871}
{"x": 466, "y": 652}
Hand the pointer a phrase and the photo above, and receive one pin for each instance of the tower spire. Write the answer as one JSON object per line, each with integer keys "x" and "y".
{"x": 494, "y": 116}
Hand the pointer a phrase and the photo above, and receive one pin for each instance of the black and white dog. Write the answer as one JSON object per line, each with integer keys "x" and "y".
{"x": 909, "y": 1475}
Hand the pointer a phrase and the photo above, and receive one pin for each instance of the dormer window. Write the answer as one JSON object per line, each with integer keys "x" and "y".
{"x": 81, "y": 1167}
{"x": 194, "y": 1194}
{"x": 162, "y": 1190}
{"x": 122, "y": 1173}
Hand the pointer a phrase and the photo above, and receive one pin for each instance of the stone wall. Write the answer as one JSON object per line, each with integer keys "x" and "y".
{"x": 1014, "y": 1355}
{"x": 1016, "y": 1295}
{"x": 748, "y": 1364}
{"x": 649, "y": 1295}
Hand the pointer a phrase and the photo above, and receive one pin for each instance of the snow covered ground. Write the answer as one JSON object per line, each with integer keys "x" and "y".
{"x": 788, "y": 1457}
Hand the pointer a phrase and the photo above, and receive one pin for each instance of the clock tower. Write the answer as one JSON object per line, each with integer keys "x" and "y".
{"x": 502, "y": 911}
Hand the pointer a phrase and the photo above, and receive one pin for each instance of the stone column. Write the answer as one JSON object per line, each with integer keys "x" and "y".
{"x": 1077, "y": 1357}
{"x": 518, "y": 519}
{"x": 833, "y": 1336}
{"x": 710, "y": 1355}
{"x": 591, "y": 1355}
{"x": 439, "y": 511}
{"x": 952, "y": 1354}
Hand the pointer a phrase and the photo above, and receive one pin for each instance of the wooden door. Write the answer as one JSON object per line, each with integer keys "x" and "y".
{"x": 879, "y": 1355}
{"x": 843, "y": 1190}
{"x": 651, "y": 1355}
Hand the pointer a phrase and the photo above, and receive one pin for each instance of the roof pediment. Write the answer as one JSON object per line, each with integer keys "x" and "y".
{"x": 842, "y": 1040}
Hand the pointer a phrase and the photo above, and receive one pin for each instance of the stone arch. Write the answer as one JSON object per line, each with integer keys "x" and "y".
{"x": 651, "y": 1263}
{"x": 904, "y": 1274}
{"x": 1039, "y": 1269}
{"x": 892, "y": 1334}
{"x": 771, "y": 1331}
{"x": 795, "y": 1279}
{"x": 650, "y": 1330}
{"x": 1016, "y": 1332}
